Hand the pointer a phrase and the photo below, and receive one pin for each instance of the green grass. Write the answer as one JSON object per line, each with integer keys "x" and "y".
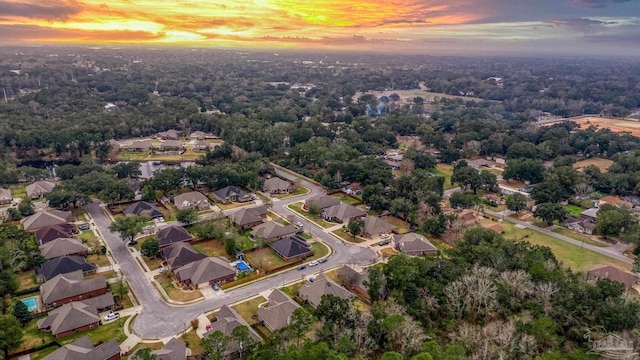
{"x": 265, "y": 258}
{"x": 102, "y": 260}
{"x": 193, "y": 342}
{"x": 573, "y": 210}
{"x": 175, "y": 293}
{"x": 249, "y": 309}
{"x": 87, "y": 235}
{"x": 446, "y": 171}
{"x": 297, "y": 207}
{"x": 578, "y": 236}
{"x": 292, "y": 290}
{"x": 18, "y": 190}
{"x": 319, "y": 250}
{"x": 306, "y": 235}
{"x": 346, "y": 199}
{"x": 347, "y": 237}
{"x": 33, "y": 337}
{"x": 103, "y": 333}
{"x": 570, "y": 255}
{"x": 153, "y": 263}
{"x": 300, "y": 190}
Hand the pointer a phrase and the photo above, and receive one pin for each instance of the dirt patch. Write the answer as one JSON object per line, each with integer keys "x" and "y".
{"x": 615, "y": 125}
{"x": 602, "y": 164}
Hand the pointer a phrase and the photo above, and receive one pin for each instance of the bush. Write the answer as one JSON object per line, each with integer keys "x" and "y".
{"x": 30, "y": 290}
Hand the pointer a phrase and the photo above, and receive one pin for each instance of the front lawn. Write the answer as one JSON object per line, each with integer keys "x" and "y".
{"x": 153, "y": 263}
{"x": 300, "y": 190}
{"x": 319, "y": 250}
{"x": 87, "y": 236}
{"x": 101, "y": 260}
{"x": 297, "y": 207}
{"x": 234, "y": 205}
{"x": 249, "y": 309}
{"x": 193, "y": 342}
{"x": 573, "y": 210}
{"x": 570, "y": 255}
{"x": 103, "y": 333}
{"x": 175, "y": 294}
{"x": 347, "y": 237}
{"x": 580, "y": 237}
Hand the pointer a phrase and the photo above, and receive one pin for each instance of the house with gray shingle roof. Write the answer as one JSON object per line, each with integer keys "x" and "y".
{"x": 276, "y": 185}
{"x": 191, "y": 200}
{"x": 292, "y": 247}
{"x": 228, "y": 319}
{"x": 180, "y": 254}
{"x": 323, "y": 202}
{"x": 172, "y": 234}
{"x": 205, "y": 272}
{"x": 65, "y": 288}
{"x": 69, "y": 319}
{"x": 272, "y": 231}
{"x": 232, "y": 194}
{"x": 62, "y": 265}
{"x": 63, "y": 247}
{"x": 248, "y": 218}
{"x": 5, "y": 197}
{"x": 139, "y": 146}
{"x": 375, "y": 226}
{"x": 49, "y": 233}
{"x": 412, "y": 244}
{"x": 200, "y": 145}
{"x": 342, "y": 213}
{"x": 312, "y": 292}
{"x": 277, "y": 314}
{"x": 39, "y": 189}
{"x": 83, "y": 348}
{"x": 143, "y": 208}
{"x": 46, "y": 218}
{"x": 174, "y": 349}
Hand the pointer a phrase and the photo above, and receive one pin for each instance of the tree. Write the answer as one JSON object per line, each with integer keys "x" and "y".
{"x": 116, "y": 191}
{"x": 550, "y": 212}
{"x": 461, "y": 200}
{"x": 230, "y": 246}
{"x": 187, "y": 216}
{"x": 120, "y": 288}
{"x": 14, "y": 214}
{"x": 391, "y": 355}
{"x": 610, "y": 222}
{"x": 215, "y": 345}
{"x": 374, "y": 284}
{"x": 242, "y": 336}
{"x": 144, "y": 354}
{"x": 355, "y": 227}
{"x": 148, "y": 193}
{"x": 435, "y": 225}
{"x": 128, "y": 226}
{"x": 26, "y": 207}
{"x": 21, "y": 312}
{"x": 150, "y": 247}
{"x": 10, "y": 333}
{"x": 516, "y": 202}
{"x": 313, "y": 209}
{"x": 300, "y": 323}
{"x": 636, "y": 264}
{"x": 166, "y": 180}
{"x": 127, "y": 170}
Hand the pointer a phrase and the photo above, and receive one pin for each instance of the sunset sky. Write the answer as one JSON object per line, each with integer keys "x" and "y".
{"x": 423, "y": 26}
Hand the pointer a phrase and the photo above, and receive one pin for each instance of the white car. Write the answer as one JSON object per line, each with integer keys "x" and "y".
{"x": 384, "y": 236}
{"x": 313, "y": 263}
{"x": 299, "y": 224}
{"x": 112, "y": 316}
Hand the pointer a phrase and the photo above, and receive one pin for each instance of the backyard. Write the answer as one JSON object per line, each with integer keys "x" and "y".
{"x": 446, "y": 171}
{"x": 265, "y": 259}
{"x": 346, "y": 199}
{"x": 570, "y": 255}
{"x": 166, "y": 281}
{"x": 210, "y": 247}
{"x": 573, "y": 210}
{"x": 26, "y": 280}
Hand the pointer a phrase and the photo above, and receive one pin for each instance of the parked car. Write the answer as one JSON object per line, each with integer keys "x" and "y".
{"x": 312, "y": 279}
{"x": 208, "y": 327}
{"x": 301, "y": 267}
{"x": 323, "y": 260}
{"x": 384, "y": 236}
{"x": 112, "y": 316}
{"x": 383, "y": 242}
{"x": 313, "y": 263}
{"x": 84, "y": 227}
{"x": 215, "y": 287}
{"x": 299, "y": 224}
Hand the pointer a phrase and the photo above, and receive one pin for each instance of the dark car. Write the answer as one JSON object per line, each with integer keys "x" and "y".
{"x": 84, "y": 227}
{"x": 323, "y": 260}
{"x": 383, "y": 242}
{"x": 302, "y": 267}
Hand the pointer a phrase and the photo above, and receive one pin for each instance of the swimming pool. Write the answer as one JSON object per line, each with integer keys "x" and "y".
{"x": 32, "y": 303}
{"x": 242, "y": 266}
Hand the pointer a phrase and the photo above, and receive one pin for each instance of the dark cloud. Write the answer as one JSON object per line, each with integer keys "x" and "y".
{"x": 582, "y": 24}
{"x": 48, "y": 10}
{"x": 596, "y": 4}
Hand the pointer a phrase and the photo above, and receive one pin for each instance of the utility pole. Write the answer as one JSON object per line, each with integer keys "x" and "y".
{"x": 5, "y": 95}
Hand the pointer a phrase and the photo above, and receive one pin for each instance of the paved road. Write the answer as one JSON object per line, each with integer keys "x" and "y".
{"x": 158, "y": 319}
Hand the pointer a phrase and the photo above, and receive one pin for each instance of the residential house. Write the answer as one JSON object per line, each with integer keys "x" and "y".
{"x": 228, "y": 319}
{"x": 493, "y": 198}
{"x": 355, "y": 280}
{"x": 172, "y": 234}
{"x": 495, "y": 227}
{"x": 626, "y": 278}
{"x": 312, "y": 292}
{"x": 62, "y": 265}
{"x": 590, "y": 215}
{"x": 63, "y": 247}
{"x": 205, "y": 272}
{"x": 481, "y": 163}
{"x": 170, "y": 134}
{"x": 83, "y": 349}
{"x": 468, "y": 218}
{"x": 198, "y": 135}
{"x": 271, "y": 231}
{"x": 49, "y": 233}
{"x": 323, "y": 202}
{"x": 277, "y": 314}
{"x": 232, "y": 194}
{"x": 580, "y": 225}
{"x": 179, "y": 254}
{"x": 201, "y": 145}
{"x": 65, "y": 288}
{"x": 69, "y": 319}
{"x": 293, "y": 247}
{"x": 39, "y": 189}
{"x": 143, "y": 208}
{"x": 375, "y": 226}
{"x": 506, "y": 190}
{"x": 615, "y": 201}
{"x": 412, "y": 244}
{"x": 174, "y": 349}
{"x": 191, "y": 200}
{"x": 46, "y": 218}
{"x": 171, "y": 145}
{"x": 5, "y": 197}
{"x": 276, "y": 185}
{"x": 139, "y": 146}
{"x": 343, "y": 213}
{"x": 248, "y": 218}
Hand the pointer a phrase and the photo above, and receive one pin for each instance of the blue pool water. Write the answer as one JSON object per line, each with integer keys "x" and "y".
{"x": 242, "y": 266}
{"x": 32, "y": 303}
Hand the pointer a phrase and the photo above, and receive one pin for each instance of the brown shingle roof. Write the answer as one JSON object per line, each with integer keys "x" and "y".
{"x": 205, "y": 270}
{"x": 192, "y": 199}
{"x": 46, "y": 218}
{"x": 83, "y": 349}
{"x": 50, "y": 233}
{"x": 343, "y": 212}
{"x": 180, "y": 254}
{"x": 312, "y": 291}
{"x": 173, "y": 350}
{"x": 70, "y": 284}
{"x": 276, "y": 184}
{"x": 172, "y": 234}
{"x": 628, "y": 279}
{"x": 374, "y": 225}
{"x": 272, "y": 230}
{"x": 228, "y": 319}
{"x": 62, "y": 247}
{"x": 39, "y": 188}
{"x": 69, "y": 317}
{"x": 248, "y": 216}
{"x": 278, "y": 314}
{"x": 413, "y": 244}
{"x": 323, "y": 201}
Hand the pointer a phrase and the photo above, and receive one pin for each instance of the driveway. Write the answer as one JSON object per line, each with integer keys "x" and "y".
{"x": 158, "y": 319}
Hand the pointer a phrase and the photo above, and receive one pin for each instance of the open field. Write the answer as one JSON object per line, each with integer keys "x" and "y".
{"x": 613, "y": 124}
{"x": 572, "y": 256}
{"x": 410, "y": 94}
{"x": 602, "y": 164}
{"x": 445, "y": 170}
{"x": 249, "y": 309}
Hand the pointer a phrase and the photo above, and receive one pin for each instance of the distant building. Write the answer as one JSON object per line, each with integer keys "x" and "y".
{"x": 248, "y": 218}
{"x": 191, "y": 200}
{"x": 232, "y": 194}
{"x": 5, "y": 197}
{"x": 276, "y": 185}
{"x": 412, "y": 244}
{"x": 342, "y": 213}
{"x": 272, "y": 231}
{"x": 626, "y": 278}
{"x": 170, "y": 134}
{"x": 39, "y": 189}
{"x": 46, "y": 218}
{"x": 143, "y": 208}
